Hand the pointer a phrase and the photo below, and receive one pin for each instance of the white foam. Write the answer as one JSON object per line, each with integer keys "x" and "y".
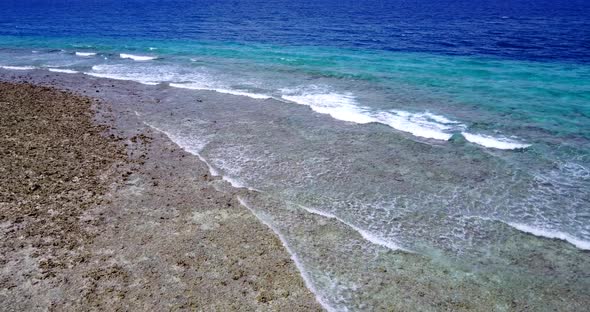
{"x": 191, "y": 148}
{"x": 121, "y": 72}
{"x": 195, "y": 149}
{"x": 243, "y": 93}
{"x": 419, "y": 124}
{"x": 85, "y": 54}
{"x": 339, "y": 106}
{"x": 343, "y": 106}
{"x": 204, "y": 86}
{"x": 370, "y": 237}
{"x": 541, "y": 232}
{"x": 140, "y": 58}
{"x": 304, "y": 274}
{"x": 118, "y": 77}
{"x": 438, "y": 118}
{"x": 319, "y": 212}
{"x": 378, "y": 241}
{"x": 63, "y": 71}
{"x": 18, "y": 67}
{"x": 537, "y": 231}
{"x": 494, "y": 142}
{"x": 233, "y": 182}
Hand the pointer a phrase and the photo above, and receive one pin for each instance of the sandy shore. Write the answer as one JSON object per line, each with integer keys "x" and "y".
{"x": 100, "y": 212}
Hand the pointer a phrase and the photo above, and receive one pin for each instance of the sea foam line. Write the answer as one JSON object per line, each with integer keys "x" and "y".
{"x": 424, "y": 125}
{"x": 493, "y": 142}
{"x": 304, "y": 274}
{"x": 197, "y": 86}
{"x": 85, "y": 54}
{"x": 137, "y": 57}
{"x": 119, "y": 77}
{"x": 119, "y": 73}
{"x": 344, "y": 107}
{"x": 18, "y": 67}
{"x": 63, "y": 71}
{"x": 233, "y": 182}
{"x": 540, "y": 232}
{"x": 212, "y": 170}
{"x": 365, "y": 234}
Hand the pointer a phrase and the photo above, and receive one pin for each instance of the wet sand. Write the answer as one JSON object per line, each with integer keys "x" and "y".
{"x": 100, "y": 212}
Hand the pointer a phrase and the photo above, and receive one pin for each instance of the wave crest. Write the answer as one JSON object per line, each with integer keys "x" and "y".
{"x": 494, "y": 142}
{"x": 343, "y": 106}
{"x": 85, "y": 54}
{"x": 140, "y": 58}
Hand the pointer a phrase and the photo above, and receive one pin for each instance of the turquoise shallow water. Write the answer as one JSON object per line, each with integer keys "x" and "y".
{"x": 549, "y": 95}
{"x": 417, "y": 178}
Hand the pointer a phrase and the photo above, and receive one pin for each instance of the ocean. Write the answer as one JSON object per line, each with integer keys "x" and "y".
{"x": 401, "y": 150}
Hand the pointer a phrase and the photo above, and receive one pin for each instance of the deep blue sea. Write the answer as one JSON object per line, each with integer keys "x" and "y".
{"x": 412, "y": 155}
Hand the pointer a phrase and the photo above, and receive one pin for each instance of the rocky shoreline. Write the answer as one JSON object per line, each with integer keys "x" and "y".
{"x": 100, "y": 212}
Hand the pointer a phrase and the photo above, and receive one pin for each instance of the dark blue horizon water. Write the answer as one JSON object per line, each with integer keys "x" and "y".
{"x": 517, "y": 29}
